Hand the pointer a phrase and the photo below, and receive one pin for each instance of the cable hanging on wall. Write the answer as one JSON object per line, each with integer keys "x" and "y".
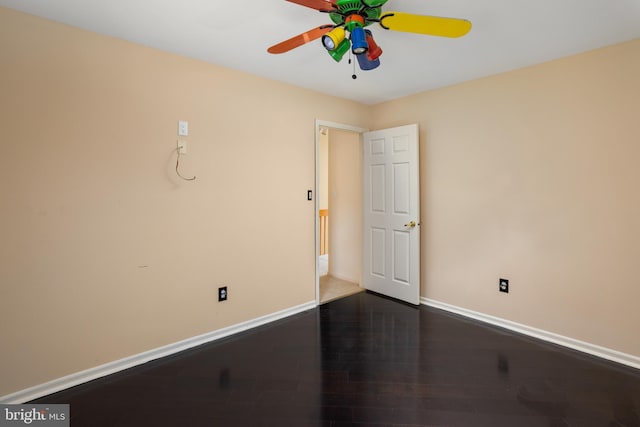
{"x": 179, "y": 153}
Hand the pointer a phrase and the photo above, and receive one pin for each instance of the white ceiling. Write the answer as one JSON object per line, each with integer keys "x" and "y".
{"x": 506, "y": 34}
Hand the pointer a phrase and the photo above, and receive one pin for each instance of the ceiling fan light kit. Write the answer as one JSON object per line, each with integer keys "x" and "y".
{"x": 333, "y": 38}
{"x": 352, "y": 16}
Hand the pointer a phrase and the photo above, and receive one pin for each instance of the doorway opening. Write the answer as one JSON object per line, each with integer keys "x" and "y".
{"x": 338, "y": 210}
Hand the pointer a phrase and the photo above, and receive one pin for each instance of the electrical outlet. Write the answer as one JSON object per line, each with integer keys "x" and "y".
{"x": 182, "y": 146}
{"x": 504, "y": 285}
{"x": 222, "y": 293}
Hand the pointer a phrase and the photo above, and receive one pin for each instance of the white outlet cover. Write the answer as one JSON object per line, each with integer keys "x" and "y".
{"x": 182, "y": 146}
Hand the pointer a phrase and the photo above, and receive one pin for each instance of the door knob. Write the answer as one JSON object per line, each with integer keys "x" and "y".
{"x": 411, "y": 224}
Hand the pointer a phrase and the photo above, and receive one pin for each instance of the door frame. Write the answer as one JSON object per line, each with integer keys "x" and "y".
{"x": 330, "y": 125}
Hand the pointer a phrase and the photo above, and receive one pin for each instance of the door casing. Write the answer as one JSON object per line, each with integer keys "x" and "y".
{"x": 331, "y": 125}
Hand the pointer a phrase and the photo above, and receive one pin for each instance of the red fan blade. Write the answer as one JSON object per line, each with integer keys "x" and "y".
{"x": 299, "y": 40}
{"x": 321, "y": 5}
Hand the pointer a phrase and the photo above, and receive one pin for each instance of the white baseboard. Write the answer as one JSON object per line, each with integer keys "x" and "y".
{"x": 585, "y": 347}
{"x": 139, "y": 359}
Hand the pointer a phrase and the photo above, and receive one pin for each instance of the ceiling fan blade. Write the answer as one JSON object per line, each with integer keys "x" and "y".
{"x": 421, "y": 24}
{"x": 321, "y": 5}
{"x": 300, "y": 39}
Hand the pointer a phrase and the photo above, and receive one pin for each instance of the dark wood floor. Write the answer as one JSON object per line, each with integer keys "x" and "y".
{"x": 368, "y": 361}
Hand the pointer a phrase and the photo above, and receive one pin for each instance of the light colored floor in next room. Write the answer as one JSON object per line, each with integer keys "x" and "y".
{"x": 332, "y": 288}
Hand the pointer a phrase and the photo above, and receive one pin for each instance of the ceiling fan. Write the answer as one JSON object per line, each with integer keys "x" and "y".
{"x": 350, "y": 19}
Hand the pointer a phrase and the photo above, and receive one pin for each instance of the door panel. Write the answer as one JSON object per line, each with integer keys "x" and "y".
{"x": 378, "y": 252}
{"x": 377, "y": 188}
{"x": 401, "y": 257}
{"x": 391, "y": 255}
{"x": 401, "y": 196}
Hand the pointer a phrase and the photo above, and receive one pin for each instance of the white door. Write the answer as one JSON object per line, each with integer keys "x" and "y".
{"x": 391, "y": 254}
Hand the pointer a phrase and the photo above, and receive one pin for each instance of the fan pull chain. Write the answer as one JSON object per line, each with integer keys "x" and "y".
{"x": 353, "y": 76}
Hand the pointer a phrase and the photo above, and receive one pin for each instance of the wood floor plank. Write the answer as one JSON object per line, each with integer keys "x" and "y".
{"x": 365, "y": 361}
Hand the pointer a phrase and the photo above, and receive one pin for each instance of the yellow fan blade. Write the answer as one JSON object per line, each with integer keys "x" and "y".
{"x": 429, "y": 25}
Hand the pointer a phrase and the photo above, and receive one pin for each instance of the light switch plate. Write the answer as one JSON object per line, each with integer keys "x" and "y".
{"x": 183, "y": 128}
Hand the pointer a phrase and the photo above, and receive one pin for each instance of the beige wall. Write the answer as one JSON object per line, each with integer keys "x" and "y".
{"x": 345, "y": 205}
{"x": 533, "y": 175}
{"x": 105, "y": 253}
